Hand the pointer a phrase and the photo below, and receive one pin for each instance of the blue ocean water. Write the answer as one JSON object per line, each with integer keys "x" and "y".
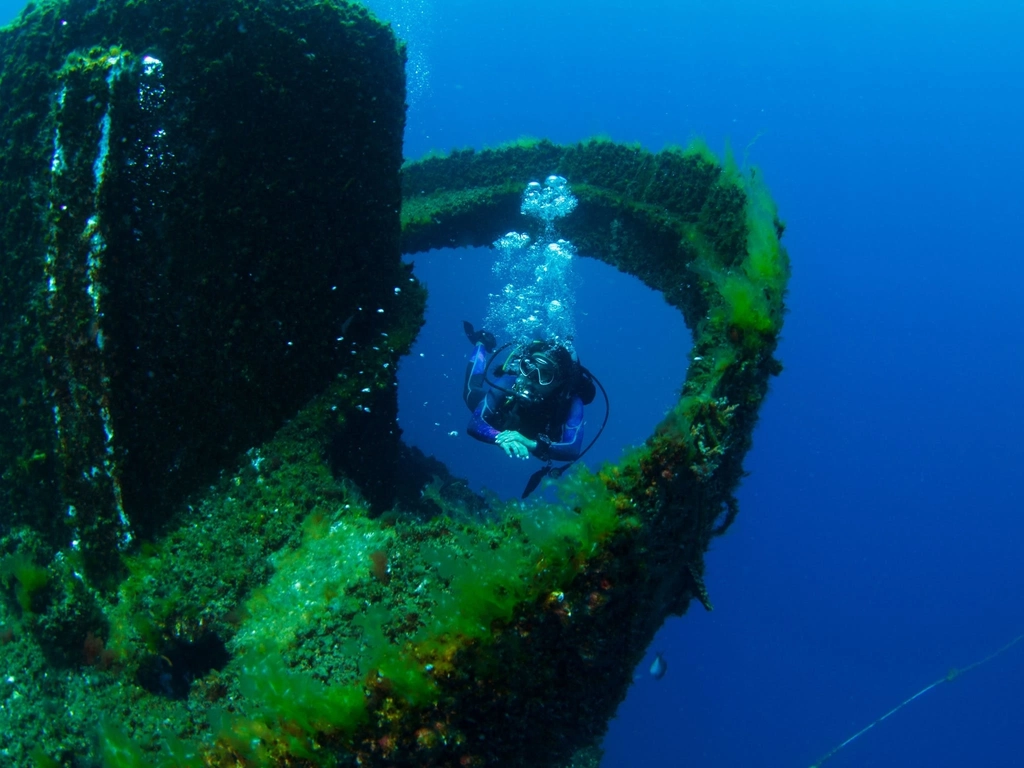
{"x": 879, "y": 540}
{"x": 880, "y": 532}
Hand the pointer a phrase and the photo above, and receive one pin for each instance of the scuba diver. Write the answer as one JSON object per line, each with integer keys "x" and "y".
{"x": 533, "y": 405}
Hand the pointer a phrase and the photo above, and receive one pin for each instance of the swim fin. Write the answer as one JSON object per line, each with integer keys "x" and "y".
{"x": 479, "y": 337}
{"x": 546, "y": 471}
{"x": 534, "y": 481}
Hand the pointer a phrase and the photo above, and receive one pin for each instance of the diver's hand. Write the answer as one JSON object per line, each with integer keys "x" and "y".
{"x": 514, "y": 444}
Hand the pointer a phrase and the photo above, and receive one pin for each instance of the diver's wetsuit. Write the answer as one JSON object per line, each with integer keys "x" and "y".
{"x": 495, "y": 412}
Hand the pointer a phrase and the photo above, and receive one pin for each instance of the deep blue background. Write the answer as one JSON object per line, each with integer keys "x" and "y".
{"x": 880, "y": 536}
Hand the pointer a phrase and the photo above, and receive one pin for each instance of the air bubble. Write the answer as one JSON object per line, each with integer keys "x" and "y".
{"x": 538, "y": 294}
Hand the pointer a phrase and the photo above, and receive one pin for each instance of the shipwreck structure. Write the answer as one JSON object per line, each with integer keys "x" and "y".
{"x": 214, "y": 547}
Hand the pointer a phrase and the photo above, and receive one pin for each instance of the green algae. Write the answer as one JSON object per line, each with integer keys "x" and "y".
{"x": 369, "y": 618}
{"x": 359, "y": 634}
{"x": 157, "y": 242}
{"x": 28, "y": 578}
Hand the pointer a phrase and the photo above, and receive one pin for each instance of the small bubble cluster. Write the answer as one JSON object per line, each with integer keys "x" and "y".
{"x": 414, "y": 22}
{"x": 549, "y": 201}
{"x": 537, "y": 294}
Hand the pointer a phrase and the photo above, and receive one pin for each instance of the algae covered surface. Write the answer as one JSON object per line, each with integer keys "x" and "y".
{"x": 215, "y": 548}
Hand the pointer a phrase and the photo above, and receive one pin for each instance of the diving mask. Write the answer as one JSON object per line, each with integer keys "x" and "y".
{"x": 541, "y": 369}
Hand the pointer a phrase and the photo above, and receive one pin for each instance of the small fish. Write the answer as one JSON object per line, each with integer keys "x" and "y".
{"x": 658, "y": 667}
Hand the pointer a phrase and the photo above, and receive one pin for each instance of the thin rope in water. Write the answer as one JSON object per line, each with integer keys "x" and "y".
{"x": 952, "y": 675}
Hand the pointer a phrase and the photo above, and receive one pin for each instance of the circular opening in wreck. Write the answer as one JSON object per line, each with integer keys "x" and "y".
{"x": 634, "y": 342}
